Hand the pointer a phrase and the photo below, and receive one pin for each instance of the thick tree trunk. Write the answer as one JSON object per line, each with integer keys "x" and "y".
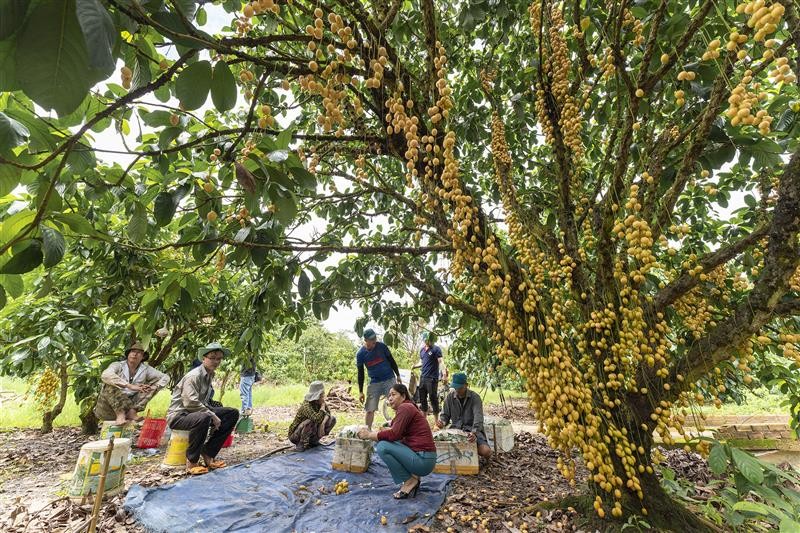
{"x": 49, "y": 416}
{"x": 89, "y": 421}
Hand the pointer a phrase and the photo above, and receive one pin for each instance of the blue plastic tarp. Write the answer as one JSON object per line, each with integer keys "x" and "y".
{"x": 265, "y": 495}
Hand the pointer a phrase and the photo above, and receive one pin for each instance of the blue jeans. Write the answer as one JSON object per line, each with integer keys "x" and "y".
{"x": 403, "y": 461}
{"x": 246, "y": 391}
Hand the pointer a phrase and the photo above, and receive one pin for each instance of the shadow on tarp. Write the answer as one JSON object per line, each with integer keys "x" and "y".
{"x": 264, "y": 495}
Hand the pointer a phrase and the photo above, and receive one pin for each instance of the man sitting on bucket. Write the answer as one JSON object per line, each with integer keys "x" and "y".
{"x": 190, "y": 410}
{"x": 313, "y": 419}
{"x": 127, "y": 386}
{"x": 463, "y": 409}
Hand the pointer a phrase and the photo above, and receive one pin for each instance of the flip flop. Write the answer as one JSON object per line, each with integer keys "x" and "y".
{"x": 197, "y": 470}
{"x": 217, "y": 464}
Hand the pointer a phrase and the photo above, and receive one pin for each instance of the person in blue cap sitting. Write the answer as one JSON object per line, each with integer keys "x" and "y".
{"x": 463, "y": 409}
{"x": 382, "y": 370}
{"x": 190, "y": 410}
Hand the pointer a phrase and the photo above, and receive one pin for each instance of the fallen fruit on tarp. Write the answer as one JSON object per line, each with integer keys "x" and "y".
{"x": 342, "y": 487}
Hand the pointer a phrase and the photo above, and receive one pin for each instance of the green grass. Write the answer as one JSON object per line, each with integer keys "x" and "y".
{"x": 24, "y": 414}
{"x": 760, "y": 401}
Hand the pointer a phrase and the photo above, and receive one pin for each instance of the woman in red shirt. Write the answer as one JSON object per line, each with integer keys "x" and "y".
{"x": 407, "y": 447}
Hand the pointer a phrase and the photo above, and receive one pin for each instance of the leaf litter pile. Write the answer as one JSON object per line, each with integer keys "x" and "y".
{"x": 35, "y": 468}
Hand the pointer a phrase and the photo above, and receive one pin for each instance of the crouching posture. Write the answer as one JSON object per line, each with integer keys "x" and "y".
{"x": 127, "y": 386}
{"x": 407, "y": 447}
{"x": 463, "y": 409}
{"x": 190, "y": 410}
{"x": 313, "y": 419}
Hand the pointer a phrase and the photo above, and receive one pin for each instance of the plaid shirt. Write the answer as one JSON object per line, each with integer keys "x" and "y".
{"x": 308, "y": 412}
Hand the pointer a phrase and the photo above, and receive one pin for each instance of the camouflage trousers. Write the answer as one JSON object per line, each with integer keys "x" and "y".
{"x": 112, "y": 400}
{"x": 308, "y": 433}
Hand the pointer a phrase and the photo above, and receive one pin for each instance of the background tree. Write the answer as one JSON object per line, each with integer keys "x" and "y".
{"x": 629, "y": 235}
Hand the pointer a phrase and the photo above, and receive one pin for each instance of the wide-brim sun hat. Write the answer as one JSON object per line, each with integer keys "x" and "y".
{"x": 315, "y": 390}
{"x": 137, "y": 346}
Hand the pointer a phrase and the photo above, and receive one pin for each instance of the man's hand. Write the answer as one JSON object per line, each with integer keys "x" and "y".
{"x": 134, "y": 387}
{"x": 471, "y": 437}
{"x": 361, "y": 397}
{"x": 399, "y": 380}
{"x": 215, "y": 421}
{"x": 145, "y": 388}
{"x": 439, "y": 424}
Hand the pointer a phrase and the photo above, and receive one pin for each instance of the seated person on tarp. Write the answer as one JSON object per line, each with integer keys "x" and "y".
{"x": 127, "y": 386}
{"x": 313, "y": 419}
{"x": 407, "y": 447}
{"x": 463, "y": 409}
{"x": 191, "y": 411}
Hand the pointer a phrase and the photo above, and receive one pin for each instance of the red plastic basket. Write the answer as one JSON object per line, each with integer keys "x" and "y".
{"x": 228, "y": 441}
{"x": 152, "y": 431}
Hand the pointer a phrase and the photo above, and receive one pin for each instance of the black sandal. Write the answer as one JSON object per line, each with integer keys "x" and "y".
{"x": 400, "y": 495}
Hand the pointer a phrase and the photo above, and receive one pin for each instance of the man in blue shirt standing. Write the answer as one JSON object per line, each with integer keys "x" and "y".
{"x": 432, "y": 370}
{"x": 382, "y": 370}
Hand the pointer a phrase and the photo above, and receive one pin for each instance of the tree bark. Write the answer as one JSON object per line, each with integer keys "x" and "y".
{"x": 89, "y": 421}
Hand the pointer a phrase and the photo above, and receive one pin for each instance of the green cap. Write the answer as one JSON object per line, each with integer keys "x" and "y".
{"x": 459, "y": 380}
{"x": 369, "y": 334}
{"x": 213, "y": 347}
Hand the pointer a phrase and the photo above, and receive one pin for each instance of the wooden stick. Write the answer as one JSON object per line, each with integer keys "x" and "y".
{"x": 101, "y": 485}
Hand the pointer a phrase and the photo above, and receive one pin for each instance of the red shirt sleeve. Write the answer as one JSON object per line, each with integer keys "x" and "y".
{"x": 400, "y": 423}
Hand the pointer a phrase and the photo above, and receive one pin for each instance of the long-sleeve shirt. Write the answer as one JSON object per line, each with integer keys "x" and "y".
{"x": 410, "y": 427}
{"x": 465, "y": 413}
{"x": 308, "y": 411}
{"x": 192, "y": 393}
{"x": 118, "y": 375}
{"x": 379, "y": 362}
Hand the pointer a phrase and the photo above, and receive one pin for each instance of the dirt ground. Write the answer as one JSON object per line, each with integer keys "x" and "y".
{"x": 35, "y": 468}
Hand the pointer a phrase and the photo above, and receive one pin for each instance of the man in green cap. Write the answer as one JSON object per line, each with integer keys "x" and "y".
{"x": 128, "y": 385}
{"x": 382, "y": 370}
{"x": 191, "y": 410}
{"x": 463, "y": 409}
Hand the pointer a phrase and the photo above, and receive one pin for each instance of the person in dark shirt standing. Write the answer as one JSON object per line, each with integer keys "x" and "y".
{"x": 432, "y": 369}
{"x": 382, "y": 370}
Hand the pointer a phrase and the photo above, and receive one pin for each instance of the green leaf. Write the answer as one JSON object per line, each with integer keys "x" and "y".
{"x": 12, "y": 16}
{"x": 718, "y": 459}
{"x": 286, "y": 209}
{"x": 305, "y": 178}
{"x": 172, "y": 294}
{"x": 40, "y": 136}
{"x": 76, "y": 223}
{"x": 8, "y": 78}
{"x": 141, "y": 72}
{"x": 179, "y": 32}
{"x": 755, "y": 508}
{"x": 52, "y": 62}
{"x": 53, "y": 245}
{"x": 3, "y": 298}
{"x": 223, "y": 87}
{"x": 137, "y": 225}
{"x": 748, "y": 466}
{"x": 11, "y": 226}
{"x": 164, "y": 208}
{"x": 192, "y": 286}
{"x": 284, "y": 138}
{"x": 193, "y": 84}
{"x": 242, "y": 234}
{"x": 25, "y": 259}
{"x": 14, "y": 284}
{"x": 789, "y": 526}
{"x": 99, "y": 34}
{"x": 12, "y": 133}
{"x": 303, "y": 285}
{"x": 388, "y": 339}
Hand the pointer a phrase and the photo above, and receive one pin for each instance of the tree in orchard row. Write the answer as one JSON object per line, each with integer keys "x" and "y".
{"x": 611, "y": 192}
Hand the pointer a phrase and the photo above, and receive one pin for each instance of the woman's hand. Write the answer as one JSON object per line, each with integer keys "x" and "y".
{"x": 366, "y": 434}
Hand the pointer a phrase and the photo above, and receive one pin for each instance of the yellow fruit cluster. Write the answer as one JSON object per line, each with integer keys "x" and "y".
{"x": 342, "y": 487}
{"x": 126, "y": 75}
{"x": 741, "y": 103}
{"x": 258, "y": 7}
{"x": 782, "y": 73}
{"x": 266, "y": 120}
{"x": 763, "y": 18}
{"x": 556, "y": 70}
{"x": 713, "y": 50}
{"x": 46, "y": 389}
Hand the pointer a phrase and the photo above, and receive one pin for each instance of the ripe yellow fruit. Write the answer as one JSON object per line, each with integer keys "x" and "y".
{"x": 384, "y": 520}
{"x": 664, "y": 58}
{"x": 639, "y": 93}
{"x": 211, "y": 216}
{"x": 208, "y": 187}
{"x": 126, "y": 72}
{"x": 248, "y": 11}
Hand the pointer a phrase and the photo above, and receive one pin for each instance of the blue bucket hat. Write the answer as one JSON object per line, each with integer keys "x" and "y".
{"x": 459, "y": 380}
{"x": 369, "y": 334}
